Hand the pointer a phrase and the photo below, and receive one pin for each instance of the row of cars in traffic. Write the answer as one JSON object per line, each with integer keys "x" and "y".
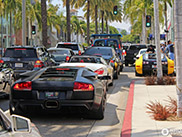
{"x": 64, "y": 76}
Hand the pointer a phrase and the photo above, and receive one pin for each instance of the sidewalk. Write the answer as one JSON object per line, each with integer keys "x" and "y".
{"x": 141, "y": 123}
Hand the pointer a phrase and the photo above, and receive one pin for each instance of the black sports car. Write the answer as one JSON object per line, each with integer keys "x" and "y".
{"x": 54, "y": 88}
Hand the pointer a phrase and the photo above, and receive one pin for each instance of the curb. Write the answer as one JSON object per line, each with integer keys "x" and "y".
{"x": 127, "y": 122}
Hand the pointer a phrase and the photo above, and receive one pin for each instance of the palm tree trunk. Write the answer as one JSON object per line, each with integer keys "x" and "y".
{"x": 10, "y": 28}
{"x": 68, "y": 20}
{"x": 96, "y": 11}
{"x": 88, "y": 21}
{"x": 102, "y": 12}
{"x": 178, "y": 53}
{"x": 77, "y": 36}
{"x": 107, "y": 27}
{"x": 44, "y": 22}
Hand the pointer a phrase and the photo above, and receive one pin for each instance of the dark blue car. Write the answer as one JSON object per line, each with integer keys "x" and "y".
{"x": 108, "y": 42}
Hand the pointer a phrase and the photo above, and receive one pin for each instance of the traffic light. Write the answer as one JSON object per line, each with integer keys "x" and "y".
{"x": 115, "y": 11}
{"x": 33, "y": 29}
{"x": 148, "y": 21}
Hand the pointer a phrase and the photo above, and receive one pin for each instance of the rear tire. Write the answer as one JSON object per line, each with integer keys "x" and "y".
{"x": 126, "y": 64}
{"x": 115, "y": 75}
{"x": 99, "y": 114}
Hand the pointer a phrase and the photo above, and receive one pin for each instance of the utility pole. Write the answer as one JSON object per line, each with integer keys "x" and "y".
{"x": 178, "y": 49}
{"x": 23, "y": 22}
{"x": 157, "y": 39}
{"x": 68, "y": 21}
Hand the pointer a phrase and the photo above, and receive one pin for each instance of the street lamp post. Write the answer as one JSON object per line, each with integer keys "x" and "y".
{"x": 24, "y": 22}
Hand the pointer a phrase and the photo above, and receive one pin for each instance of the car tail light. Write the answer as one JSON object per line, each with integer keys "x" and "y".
{"x": 78, "y": 86}
{"x": 79, "y": 52}
{"x": 119, "y": 46}
{"x": 99, "y": 71}
{"x": 164, "y": 63}
{"x": 1, "y": 61}
{"x": 25, "y": 86}
{"x": 67, "y": 58}
{"x": 124, "y": 52}
{"x": 38, "y": 64}
{"x": 112, "y": 61}
{"x": 92, "y": 45}
{"x": 145, "y": 62}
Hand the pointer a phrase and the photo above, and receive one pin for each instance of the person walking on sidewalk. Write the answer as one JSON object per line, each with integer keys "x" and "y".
{"x": 170, "y": 49}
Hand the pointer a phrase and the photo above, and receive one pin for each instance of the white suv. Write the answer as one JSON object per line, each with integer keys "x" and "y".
{"x": 76, "y": 47}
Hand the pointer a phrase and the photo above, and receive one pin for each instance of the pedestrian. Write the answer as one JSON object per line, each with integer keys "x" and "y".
{"x": 150, "y": 49}
{"x": 170, "y": 49}
{"x": 163, "y": 48}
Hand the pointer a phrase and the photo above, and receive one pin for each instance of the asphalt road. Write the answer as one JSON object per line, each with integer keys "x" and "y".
{"x": 74, "y": 125}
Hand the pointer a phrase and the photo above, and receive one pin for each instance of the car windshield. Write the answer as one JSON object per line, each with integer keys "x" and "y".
{"x": 20, "y": 53}
{"x": 98, "y": 51}
{"x": 142, "y": 51}
{"x": 59, "y": 52}
{"x": 70, "y": 46}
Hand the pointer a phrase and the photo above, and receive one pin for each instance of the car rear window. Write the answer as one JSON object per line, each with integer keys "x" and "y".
{"x": 99, "y": 43}
{"x": 98, "y": 51}
{"x": 20, "y": 53}
{"x": 153, "y": 56}
{"x": 112, "y": 43}
{"x": 137, "y": 47}
{"x": 70, "y": 46}
{"x": 83, "y": 59}
{"x": 59, "y": 52}
{"x": 59, "y": 72}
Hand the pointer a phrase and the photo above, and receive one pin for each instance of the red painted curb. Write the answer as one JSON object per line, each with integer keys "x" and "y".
{"x": 127, "y": 123}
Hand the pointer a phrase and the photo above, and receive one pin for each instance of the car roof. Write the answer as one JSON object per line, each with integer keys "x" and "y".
{"x": 68, "y": 43}
{"x": 79, "y": 56}
{"x": 101, "y": 47}
{"x": 106, "y": 39}
{"x": 59, "y": 49}
{"x": 12, "y": 47}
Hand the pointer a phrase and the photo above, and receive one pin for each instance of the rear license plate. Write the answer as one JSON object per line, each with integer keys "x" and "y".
{"x": 20, "y": 65}
{"x": 51, "y": 94}
{"x": 154, "y": 66}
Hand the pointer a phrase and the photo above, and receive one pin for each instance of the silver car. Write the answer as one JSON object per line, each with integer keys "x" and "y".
{"x": 17, "y": 126}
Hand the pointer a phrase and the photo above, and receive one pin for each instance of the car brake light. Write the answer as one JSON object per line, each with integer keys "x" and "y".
{"x": 62, "y": 69}
{"x": 38, "y": 64}
{"x": 92, "y": 45}
{"x": 112, "y": 61}
{"x": 67, "y": 58}
{"x": 79, "y": 52}
{"x": 78, "y": 86}
{"x": 1, "y": 61}
{"x": 99, "y": 71}
{"x": 119, "y": 46}
{"x": 20, "y": 49}
{"x": 26, "y": 86}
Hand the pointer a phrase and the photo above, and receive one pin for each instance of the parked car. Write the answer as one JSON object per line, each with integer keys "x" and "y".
{"x": 17, "y": 126}
{"x": 24, "y": 58}
{"x": 53, "y": 88}
{"x": 94, "y": 63}
{"x": 147, "y": 65}
{"x": 140, "y": 53}
{"x": 108, "y": 42}
{"x": 109, "y": 55}
{"x": 132, "y": 52}
{"x": 60, "y": 55}
{"x": 76, "y": 47}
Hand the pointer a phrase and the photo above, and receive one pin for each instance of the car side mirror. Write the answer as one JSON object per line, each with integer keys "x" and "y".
{"x": 20, "y": 124}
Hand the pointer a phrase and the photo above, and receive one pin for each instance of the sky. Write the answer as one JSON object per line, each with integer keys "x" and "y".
{"x": 123, "y": 25}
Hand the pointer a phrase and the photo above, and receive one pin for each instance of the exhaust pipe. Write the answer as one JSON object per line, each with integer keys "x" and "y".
{"x": 51, "y": 104}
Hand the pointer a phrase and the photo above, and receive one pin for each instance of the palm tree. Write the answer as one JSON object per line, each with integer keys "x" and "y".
{"x": 44, "y": 22}
{"x": 78, "y": 25}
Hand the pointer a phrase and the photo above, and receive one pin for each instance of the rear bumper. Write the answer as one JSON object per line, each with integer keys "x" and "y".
{"x": 87, "y": 104}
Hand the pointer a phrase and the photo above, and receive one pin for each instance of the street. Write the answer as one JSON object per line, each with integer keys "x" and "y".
{"x": 52, "y": 125}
